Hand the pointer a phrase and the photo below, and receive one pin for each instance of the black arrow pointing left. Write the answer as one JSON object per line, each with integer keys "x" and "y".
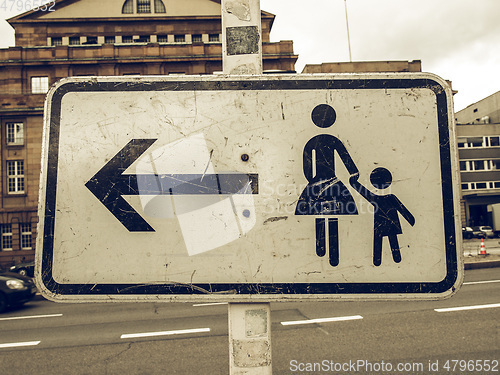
{"x": 110, "y": 184}
{"x": 107, "y": 185}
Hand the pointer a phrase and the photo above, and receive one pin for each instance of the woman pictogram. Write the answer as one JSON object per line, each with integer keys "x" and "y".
{"x": 325, "y": 194}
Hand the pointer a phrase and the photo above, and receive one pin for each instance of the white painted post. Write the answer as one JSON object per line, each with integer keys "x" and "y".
{"x": 241, "y": 37}
{"x": 249, "y": 323}
{"x": 249, "y": 339}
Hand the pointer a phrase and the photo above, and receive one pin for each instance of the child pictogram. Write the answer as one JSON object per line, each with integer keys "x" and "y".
{"x": 386, "y": 213}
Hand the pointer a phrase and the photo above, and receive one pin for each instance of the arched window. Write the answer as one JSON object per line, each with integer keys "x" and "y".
{"x": 160, "y": 7}
{"x": 128, "y": 7}
{"x": 143, "y": 6}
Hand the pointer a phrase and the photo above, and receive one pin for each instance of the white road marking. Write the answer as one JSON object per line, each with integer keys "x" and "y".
{"x": 322, "y": 320}
{"x": 482, "y": 282}
{"x": 164, "y": 333}
{"x": 32, "y": 317}
{"x": 18, "y": 344}
{"x": 463, "y": 308}
{"x": 210, "y": 304}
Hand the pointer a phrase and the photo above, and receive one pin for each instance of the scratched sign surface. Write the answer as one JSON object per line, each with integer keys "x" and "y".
{"x": 249, "y": 188}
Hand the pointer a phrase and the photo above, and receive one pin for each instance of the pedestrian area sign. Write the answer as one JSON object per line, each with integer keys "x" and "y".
{"x": 256, "y": 188}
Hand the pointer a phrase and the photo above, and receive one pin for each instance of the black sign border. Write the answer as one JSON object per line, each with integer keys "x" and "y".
{"x": 248, "y": 289}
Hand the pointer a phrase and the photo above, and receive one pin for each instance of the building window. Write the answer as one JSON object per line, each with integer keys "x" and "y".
{"x": 109, "y": 40}
{"x": 481, "y": 185}
{"x": 160, "y": 7}
{"x": 127, "y": 39}
{"x": 213, "y": 37}
{"x": 15, "y": 177}
{"x": 465, "y": 166}
{"x": 91, "y": 40}
{"x": 39, "y": 85}
{"x": 470, "y": 142}
{"x": 143, "y": 39}
{"x": 15, "y": 133}
{"x": 6, "y": 230}
{"x": 476, "y": 142}
{"x": 26, "y": 238}
{"x": 143, "y": 6}
{"x": 128, "y": 7}
{"x": 494, "y": 141}
{"x": 180, "y": 38}
{"x": 57, "y": 41}
{"x": 197, "y": 38}
{"x": 74, "y": 40}
{"x": 162, "y": 38}
{"x": 478, "y": 165}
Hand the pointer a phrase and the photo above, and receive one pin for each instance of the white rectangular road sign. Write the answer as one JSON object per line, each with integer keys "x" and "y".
{"x": 257, "y": 188}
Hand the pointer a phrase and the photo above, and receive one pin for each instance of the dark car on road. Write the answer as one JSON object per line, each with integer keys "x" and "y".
{"x": 483, "y": 231}
{"x": 15, "y": 290}
{"x": 24, "y": 269}
{"x": 467, "y": 233}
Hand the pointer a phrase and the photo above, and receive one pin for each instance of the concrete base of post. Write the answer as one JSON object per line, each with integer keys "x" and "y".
{"x": 250, "y": 338}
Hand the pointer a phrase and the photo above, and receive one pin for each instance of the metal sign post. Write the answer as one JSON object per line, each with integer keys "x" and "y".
{"x": 249, "y": 323}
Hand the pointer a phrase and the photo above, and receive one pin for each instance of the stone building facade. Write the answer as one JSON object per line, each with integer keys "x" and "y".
{"x": 95, "y": 38}
{"x": 478, "y": 136}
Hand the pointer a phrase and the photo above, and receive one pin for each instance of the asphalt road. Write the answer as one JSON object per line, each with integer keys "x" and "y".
{"x": 412, "y": 337}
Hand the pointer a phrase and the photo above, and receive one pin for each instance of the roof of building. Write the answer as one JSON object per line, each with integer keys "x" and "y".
{"x": 94, "y": 9}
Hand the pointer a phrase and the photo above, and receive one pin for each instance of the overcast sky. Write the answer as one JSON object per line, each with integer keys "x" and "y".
{"x": 458, "y": 40}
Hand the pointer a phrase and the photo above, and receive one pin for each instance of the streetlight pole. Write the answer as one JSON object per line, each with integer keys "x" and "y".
{"x": 347, "y": 25}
